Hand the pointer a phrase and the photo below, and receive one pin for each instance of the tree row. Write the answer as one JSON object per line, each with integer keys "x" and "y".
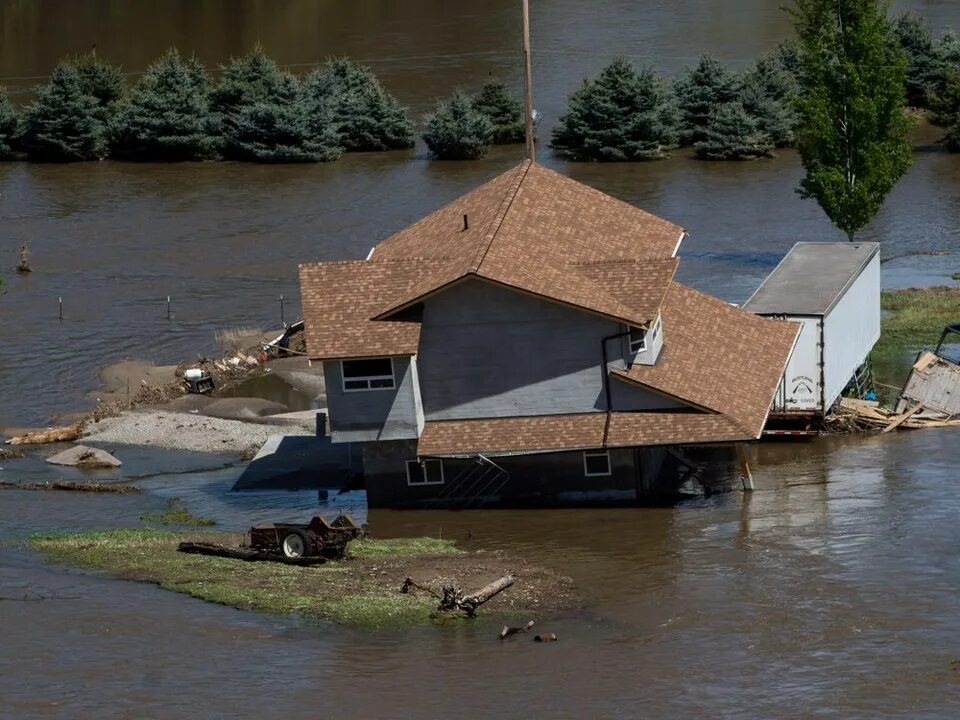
{"x": 254, "y": 112}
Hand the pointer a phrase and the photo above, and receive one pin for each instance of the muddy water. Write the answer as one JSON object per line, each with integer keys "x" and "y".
{"x": 223, "y": 240}
{"x": 829, "y": 592}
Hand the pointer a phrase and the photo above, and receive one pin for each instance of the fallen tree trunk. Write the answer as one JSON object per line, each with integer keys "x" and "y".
{"x": 454, "y": 599}
{"x": 50, "y": 435}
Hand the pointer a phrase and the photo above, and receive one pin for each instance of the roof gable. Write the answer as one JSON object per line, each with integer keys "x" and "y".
{"x": 538, "y": 231}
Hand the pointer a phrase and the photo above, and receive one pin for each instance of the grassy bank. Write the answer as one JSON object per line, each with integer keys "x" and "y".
{"x": 914, "y": 317}
{"x": 362, "y": 590}
{"x": 176, "y": 513}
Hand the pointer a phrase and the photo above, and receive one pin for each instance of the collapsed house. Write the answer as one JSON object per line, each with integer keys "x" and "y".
{"x": 527, "y": 343}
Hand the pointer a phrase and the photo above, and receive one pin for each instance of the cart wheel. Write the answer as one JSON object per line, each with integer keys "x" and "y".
{"x": 295, "y": 544}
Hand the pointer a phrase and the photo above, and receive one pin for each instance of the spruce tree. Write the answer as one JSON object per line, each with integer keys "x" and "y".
{"x": 623, "y": 114}
{"x": 734, "y": 134}
{"x": 504, "y": 110}
{"x": 64, "y": 124}
{"x": 945, "y": 107}
{"x": 769, "y": 93}
{"x": 457, "y": 131}
{"x": 700, "y": 90}
{"x": 279, "y": 130}
{"x": 168, "y": 114}
{"x": 916, "y": 39}
{"x": 103, "y": 81}
{"x": 263, "y": 114}
{"x": 9, "y": 127}
{"x": 365, "y": 115}
{"x": 853, "y": 132}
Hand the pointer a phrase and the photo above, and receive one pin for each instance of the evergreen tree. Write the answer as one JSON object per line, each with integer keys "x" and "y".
{"x": 769, "y": 93}
{"x": 279, "y": 130}
{"x": 923, "y": 64}
{"x": 700, "y": 90}
{"x": 504, "y": 110}
{"x": 168, "y": 114}
{"x": 734, "y": 134}
{"x": 624, "y": 114}
{"x": 945, "y": 107}
{"x": 947, "y": 61}
{"x": 264, "y": 116}
{"x": 457, "y": 131}
{"x": 366, "y": 116}
{"x": 853, "y": 131}
{"x": 9, "y": 127}
{"x": 103, "y": 81}
{"x": 64, "y": 124}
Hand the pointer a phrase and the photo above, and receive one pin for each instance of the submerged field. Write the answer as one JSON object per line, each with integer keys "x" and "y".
{"x": 363, "y": 589}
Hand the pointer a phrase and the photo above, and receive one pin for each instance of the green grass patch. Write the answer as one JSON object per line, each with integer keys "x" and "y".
{"x": 177, "y": 513}
{"x": 356, "y": 591}
{"x": 915, "y": 317}
{"x": 403, "y": 547}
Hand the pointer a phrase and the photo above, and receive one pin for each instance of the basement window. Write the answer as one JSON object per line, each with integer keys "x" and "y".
{"x": 425, "y": 472}
{"x": 596, "y": 463}
{"x": 367, "y": 374}
{"x": 638, "y": 340}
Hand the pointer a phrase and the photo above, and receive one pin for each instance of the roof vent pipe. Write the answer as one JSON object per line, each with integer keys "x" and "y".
{"x": 466, "y": 222}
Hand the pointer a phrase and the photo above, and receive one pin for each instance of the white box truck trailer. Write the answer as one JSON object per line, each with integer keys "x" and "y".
{"x": 833, "y": 291}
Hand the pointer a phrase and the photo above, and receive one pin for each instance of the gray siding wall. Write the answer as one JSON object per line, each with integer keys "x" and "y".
{"x": 548, "y": 479}
{"x": 487, "y": 351}
{"x": 393, "y": 414}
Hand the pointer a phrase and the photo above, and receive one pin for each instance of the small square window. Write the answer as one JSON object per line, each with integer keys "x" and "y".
{"x": 374, "y": 374}
{"x": 638, "y": 339}
{"x": 425, "y": 472}
{"x": 596, "y": 463}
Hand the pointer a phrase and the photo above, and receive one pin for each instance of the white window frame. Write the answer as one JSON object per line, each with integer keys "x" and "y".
{"x": 597, "y": 453}
{"x": 423, "y": 466}
{"x": 638, "y": 344}
{"x": 344, "y": 379}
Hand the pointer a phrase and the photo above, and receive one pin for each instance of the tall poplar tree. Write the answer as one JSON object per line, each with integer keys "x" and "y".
{"x": 853, "y": 132}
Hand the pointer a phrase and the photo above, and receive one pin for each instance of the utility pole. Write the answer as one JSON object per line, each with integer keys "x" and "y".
{"x": 527, "y": 82}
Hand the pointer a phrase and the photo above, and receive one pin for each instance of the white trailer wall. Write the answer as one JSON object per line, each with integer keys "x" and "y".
{"x": 850, "y": 330}
{"x": 800, "y": 388}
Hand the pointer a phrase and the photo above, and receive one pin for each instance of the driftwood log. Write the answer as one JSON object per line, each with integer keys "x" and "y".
{"x": 202, "y": 548}
{"x": 508, "y": 631}
{"x": 454, "y": 599}
{"x": 50, "y": 435}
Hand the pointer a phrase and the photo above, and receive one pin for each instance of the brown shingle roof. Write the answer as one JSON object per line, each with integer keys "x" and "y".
{"x": 550, "y": 433}
{"x": 339, "y": 298}
{"x": 536, "y": 230}
{"x": 718, "y": 356}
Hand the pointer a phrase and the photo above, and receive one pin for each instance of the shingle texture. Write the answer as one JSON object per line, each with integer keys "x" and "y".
{"x": 538, "y": 231}
{"x": 718, "y": 357}
{"x": 574, "y": 432}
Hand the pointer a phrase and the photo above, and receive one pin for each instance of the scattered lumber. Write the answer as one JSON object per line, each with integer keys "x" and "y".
{"x": 249, "y": 555}
{"x": 902, "y": 418}
{"x": 867, "y": 416}
{"x": 50, "y": 435}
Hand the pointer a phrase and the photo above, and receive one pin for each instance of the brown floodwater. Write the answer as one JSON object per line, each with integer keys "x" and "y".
{"x": 830, "y": 592}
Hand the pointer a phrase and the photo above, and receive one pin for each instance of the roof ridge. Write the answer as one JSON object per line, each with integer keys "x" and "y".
{"x": 498, "y": 219}
{"x": 619, "y": 261}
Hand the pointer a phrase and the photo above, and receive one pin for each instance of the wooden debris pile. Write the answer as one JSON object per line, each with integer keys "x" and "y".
{"x": 453, "y": 598}
{"x": 854, "y": 415}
